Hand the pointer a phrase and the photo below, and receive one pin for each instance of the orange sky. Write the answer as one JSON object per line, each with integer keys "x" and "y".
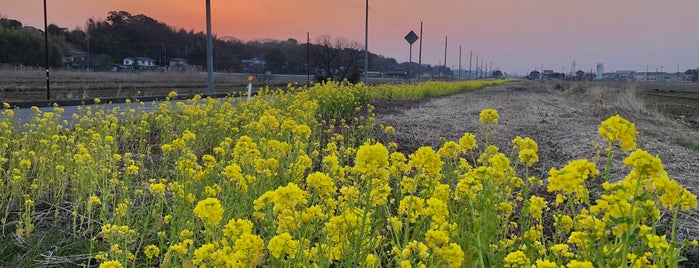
{"x": 516, "y": 35}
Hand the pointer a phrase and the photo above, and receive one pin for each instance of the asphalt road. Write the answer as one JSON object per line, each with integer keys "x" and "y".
{"x": 25, "y": 115}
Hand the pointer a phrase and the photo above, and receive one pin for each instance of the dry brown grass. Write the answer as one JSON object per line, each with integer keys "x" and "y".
{"x": 24, "y": 85}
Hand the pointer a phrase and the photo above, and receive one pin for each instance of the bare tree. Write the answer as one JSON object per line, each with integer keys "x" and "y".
{"x": 336, "y": 58}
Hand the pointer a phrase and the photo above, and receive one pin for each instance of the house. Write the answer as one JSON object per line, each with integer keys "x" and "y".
{"x": 625, "y": 75}
{"x": 254, "y": 64}
{"x": 74, "y": 60}
{"x": 547, "y": 75}
{"x": 177, "y": 64}
{"x": 534, "y": 75}
{"x": 663, "y": 77}
{"x": 139, "y": 63}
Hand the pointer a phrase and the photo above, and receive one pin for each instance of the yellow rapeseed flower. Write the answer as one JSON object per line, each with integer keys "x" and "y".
{"x": 151, "y": 251}
{"x": 203, "y": 253}
{"x": 571, "y": 178}
{"x": 536, "y": 207}
{"x": 283, "y": 244}
{"x": 371, "y": 158}
{"x": 111, "y": 264}
{"x": 467, "y": 142}
{"x": 580, "y": 264}
{"x": 489, "y": 116}
{"x": 616, "y": 128}
{"x": 545, "y": 264}
{"x": 411, "y": 207}
{"x": 517, "y": 259}
{"x": 371, "y": 261}
{"x": 425, "y": 158}
{"x": 157, "y": 188}
{"x": 449, "y": 150}
{"x": 209, "y": 210}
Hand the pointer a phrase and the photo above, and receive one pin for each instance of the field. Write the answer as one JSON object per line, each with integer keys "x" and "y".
{"x": 437, "y": 174}
{"x": 30, "y": 85}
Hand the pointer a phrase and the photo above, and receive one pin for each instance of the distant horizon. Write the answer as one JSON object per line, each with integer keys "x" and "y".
{"x": 516, "y": 37}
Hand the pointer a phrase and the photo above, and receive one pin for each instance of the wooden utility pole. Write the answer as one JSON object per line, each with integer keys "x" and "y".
{"x": 469, "y": 64}
{"x": 366, "y": 44}
{"x": 46, "y": 49}
{"x": 459, "y": 62}
{"x": 209, "y": 50}
{"x": 419, "y": 57}
{"x": 446, "y": 38}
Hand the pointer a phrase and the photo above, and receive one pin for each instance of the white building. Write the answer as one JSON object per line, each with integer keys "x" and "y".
{"x": 142, "y": 62}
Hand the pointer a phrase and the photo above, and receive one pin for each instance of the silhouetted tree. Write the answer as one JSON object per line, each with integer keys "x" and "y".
{"x": 336, "y": 58}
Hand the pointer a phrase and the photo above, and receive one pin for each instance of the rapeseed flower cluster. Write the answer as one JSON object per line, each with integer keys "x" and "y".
{"x": 294, "y": 178}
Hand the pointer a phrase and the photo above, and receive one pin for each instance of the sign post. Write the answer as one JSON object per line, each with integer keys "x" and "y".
{"x": 411, "y": 38}
{"x": 250, "y": 78}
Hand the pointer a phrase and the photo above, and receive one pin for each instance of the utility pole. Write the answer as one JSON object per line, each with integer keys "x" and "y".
{"x": 445, "y": 54}
{"x": 46, "y": 48}
{"x": 308, "y": 58}
{"x": 477, "y": 67}
{"x": 482, "y": 73}
{"x": 469, "y": 65}
{"x": 366, "y": 44}
{"x": 209, "y": 50}
{"x": 459, "y": 62}
{"x": 88, "y": 53}
{"x": 419, "y": 58}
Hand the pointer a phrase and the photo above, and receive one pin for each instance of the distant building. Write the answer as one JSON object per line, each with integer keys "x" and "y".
{"x": 139, "y": 63}
{"x": 177, "y": 64}
{"x": 254, "y": 65}
{"x": 663, "y": 77}
{"x": 600, "y": 71}
{"x": 74, "y": 60}
{"x": 625, "y": 75}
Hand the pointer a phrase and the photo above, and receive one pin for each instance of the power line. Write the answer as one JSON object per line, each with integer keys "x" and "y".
{"x": 277, "y": 14}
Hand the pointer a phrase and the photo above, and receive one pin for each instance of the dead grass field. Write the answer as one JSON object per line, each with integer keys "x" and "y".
{"x": 563, "y": 121}
{"x": 30, "y": 85}
{"x": 67, "y": 85}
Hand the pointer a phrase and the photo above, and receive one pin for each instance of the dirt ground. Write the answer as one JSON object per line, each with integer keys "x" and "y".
{"x": 564, "y": 123}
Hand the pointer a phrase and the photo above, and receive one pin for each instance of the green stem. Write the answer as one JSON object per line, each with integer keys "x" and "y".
{"x": 367, "y": 201}
{"x": 627, "y": 236}
{"x": 608, "y": 165}
{"x": 487, "y": 132}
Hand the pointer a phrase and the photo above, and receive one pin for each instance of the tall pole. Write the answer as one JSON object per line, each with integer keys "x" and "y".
{"x": 46, "y": 47}
{"x": 459, "y": 62}
{"x": 469, "y": 65}
{"x": 410, "y": 63}
{"x": 88, "y": 53}
{"x": 419, "y": 57}
{"x": 445, "y": 54}
{"x": 477, "y": 70}
{"x": 308, "y": 58}
{"x": 482, "y": 73}
{"x": 209, "y": 49}
{"x": 366, "y": 44}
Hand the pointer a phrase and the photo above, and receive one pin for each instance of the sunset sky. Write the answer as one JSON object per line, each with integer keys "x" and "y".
{"x": 515, "y": 35}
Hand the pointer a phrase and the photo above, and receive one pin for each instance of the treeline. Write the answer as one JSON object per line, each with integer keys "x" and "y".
{"x": 123, "y": 35}
{"x": 25, "y": 45}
